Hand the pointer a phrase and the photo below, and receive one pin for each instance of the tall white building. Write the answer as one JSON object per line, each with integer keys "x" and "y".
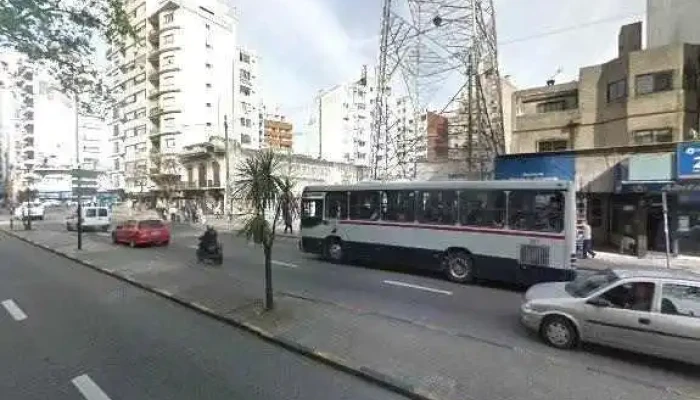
{"x": 248, "y": 111}
{"x": 672, "y": 21}
{"x": 173, "y": 87}
{"x": 339, "y": 129}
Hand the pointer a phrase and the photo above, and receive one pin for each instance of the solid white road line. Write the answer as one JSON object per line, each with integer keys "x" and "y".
{"x": 412, "y": 286}
{"x": 14, "y": 310}
{"x": 89, "y": 389}
{"x": 284, "y": 264}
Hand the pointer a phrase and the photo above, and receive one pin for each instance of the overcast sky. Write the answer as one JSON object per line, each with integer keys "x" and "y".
{"x": 307, "y": 45}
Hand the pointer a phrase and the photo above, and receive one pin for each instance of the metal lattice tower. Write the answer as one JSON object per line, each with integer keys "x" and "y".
{"x": 441, "y": 56}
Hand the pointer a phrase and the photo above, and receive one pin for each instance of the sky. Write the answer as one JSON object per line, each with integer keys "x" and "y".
{"x": 308, "y": 45}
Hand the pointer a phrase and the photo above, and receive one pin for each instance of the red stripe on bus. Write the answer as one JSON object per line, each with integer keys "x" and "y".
{"x": 505, "y": 232}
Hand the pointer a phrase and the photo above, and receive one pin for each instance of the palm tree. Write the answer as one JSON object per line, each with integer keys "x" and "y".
{"x": 263, "y": 192}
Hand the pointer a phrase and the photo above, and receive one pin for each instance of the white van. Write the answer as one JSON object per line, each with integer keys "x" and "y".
{"x": 35, "y": 210}
{"x": 94, "y": 218}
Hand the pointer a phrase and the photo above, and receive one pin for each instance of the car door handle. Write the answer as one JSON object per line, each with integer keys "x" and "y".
{"x": 645, "y": 321}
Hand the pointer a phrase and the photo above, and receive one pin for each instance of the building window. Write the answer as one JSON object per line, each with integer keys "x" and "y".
{"x": 552, "y": 145}
{"x": 207, "y": 27}
{"x": 207, "y": 85}
{"x": 617, "y": 90}
{"x": 168, "y": 18}
{"x": 245, "y": 58}
{"x": 170, "y": 143}
{"x": 656, "y": 82}
{"x": 245, "y": 138}
{"x": 651, "y": 136}
{"x": 208, "y": 123}
{"x": 208, "y": 105}
{"x": 245, "y": 75}
{"x": 169, "y": 122}
{"x": 168, "y": 39}
{"x": 207, "y": 65}
{"x": 168, "y": 60}
{"x": 551, "y": 106}
{"x": 245, "y": 90}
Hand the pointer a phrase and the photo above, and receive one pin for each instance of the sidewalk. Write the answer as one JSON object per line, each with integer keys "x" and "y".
{"x": 419, "y": 361}
{"x": 614, "y": 260}
{"x": 223, "y": 225}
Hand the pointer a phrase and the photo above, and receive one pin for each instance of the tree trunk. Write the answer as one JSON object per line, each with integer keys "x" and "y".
{"x": 269, "y": 301}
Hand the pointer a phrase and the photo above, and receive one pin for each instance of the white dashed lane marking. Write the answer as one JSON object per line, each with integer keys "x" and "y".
{"x": 89, "y": 389}
{"x": 284, "y": 264}
{"x": 418, "y": 287}
{"x": 14, "y": 310}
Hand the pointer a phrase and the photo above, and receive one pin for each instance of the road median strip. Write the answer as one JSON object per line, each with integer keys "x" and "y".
{"x": 325, "y": 358}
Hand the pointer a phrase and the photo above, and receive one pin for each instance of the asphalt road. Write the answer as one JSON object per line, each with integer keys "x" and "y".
{"x": 67, "y": 332}
{"x": 478, "y": 312}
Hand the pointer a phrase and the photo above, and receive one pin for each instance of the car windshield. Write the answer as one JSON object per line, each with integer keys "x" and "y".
{"x": 151, "y": 223}
{"x": 587, "y": 284}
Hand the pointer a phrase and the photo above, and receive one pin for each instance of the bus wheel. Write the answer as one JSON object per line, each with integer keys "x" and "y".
{"x": 334, "y": 250}
{"x": 459, "y": 266}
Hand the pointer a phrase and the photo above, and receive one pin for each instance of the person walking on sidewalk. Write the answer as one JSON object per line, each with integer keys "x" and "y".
{"x": 288, "y": 219}
{"x": 587, "y": 239}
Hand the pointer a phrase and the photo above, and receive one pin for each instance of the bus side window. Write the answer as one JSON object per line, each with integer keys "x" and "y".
{"x": 437, "y": 207}
{"x": 365, "y": 205}
{"x": 482, "y": 208}
{"x": 536, "y": 211}
{"x": 398, "y": 205}
{"x": 337, "y": 205}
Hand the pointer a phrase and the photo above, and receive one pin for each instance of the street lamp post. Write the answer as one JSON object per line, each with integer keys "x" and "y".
{"x": 227, "y": 194}
{"x": 77, "y": 161}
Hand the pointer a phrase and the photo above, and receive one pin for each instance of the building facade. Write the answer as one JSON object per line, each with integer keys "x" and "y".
{"x": 205, "y": 177}
{"x": 278, "y": 133}
{"x": 339, "y": 129}
{"x": 248, "y": 113}
{"x": 672, "y": 22}
{"x": 619, "y": 132}
{"x": 173, "y": 87}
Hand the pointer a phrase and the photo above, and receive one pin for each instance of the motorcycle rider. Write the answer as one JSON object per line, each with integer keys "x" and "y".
{"x": 208, "y": 240}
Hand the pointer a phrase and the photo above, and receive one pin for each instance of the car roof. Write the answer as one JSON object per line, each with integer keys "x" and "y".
{"x": 657, "y": 273}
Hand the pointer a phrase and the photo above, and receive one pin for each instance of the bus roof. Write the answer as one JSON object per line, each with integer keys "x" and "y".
{"x": 453, "y": 184}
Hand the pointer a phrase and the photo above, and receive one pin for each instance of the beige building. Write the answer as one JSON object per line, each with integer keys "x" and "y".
{"x": 621, "y": 123}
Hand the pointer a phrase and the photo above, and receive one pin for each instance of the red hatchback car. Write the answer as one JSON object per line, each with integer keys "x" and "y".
{"x": 141, "y": 233}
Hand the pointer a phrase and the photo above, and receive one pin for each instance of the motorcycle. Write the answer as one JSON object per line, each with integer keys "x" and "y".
{"x": 212, "y": 254}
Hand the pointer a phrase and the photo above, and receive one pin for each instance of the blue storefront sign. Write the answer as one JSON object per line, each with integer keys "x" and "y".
{"x": 688, "y": 160}
{"x": 548, "y": 167}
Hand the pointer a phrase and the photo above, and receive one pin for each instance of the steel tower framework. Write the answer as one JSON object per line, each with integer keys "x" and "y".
{"x": 442, "y": 55}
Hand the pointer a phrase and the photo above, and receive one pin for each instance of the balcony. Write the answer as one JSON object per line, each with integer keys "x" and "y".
{"x": 202, "y": 185}
{"x": 154, "y": 56}
{"x": 168, "y": 89}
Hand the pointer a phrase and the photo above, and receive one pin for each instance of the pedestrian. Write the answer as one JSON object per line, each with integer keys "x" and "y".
{"x": 288, "y": 220}
{"x": 587, "y": 239}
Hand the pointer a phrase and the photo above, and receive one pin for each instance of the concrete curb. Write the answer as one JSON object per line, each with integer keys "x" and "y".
{"x": 331, "y": 360}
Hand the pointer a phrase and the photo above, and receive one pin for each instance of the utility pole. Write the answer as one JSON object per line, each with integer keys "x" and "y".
{"x": 320, "y": 124}
{"x": 470, "y": 111}
{"x": 79, "y": 172}
{"x": 227, "y": 195}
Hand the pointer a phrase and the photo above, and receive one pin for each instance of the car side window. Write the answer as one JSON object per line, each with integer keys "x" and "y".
{"x": 90, "y": 213}
{"x": 102, "y": 212}
{"x": 680, "y": 299}
{"x": 638, "y": 296}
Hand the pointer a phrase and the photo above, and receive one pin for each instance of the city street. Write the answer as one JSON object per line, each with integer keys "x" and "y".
{"x": 71, "y": 333}
{"x": 486, "y": 314}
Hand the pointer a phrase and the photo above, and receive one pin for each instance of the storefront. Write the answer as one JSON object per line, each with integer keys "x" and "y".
{"x": 637, "y": 213}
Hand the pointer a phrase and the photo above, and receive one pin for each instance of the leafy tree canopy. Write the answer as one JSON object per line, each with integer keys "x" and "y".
{"x": 61, "y": 35}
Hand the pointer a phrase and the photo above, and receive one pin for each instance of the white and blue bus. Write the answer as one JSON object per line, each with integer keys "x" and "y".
{"x": 522, "y": 232}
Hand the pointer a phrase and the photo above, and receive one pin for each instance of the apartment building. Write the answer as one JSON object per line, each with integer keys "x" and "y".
{"x": 278, "y": 133}
{"x": 625, "y": 132}
{"x": 249, "y": 113}
{"x": 672, "y": 21}
{"x": 339, "y": 129}
{"x": 172, "y": 86}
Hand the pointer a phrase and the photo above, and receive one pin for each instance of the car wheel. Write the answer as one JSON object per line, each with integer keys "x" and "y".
{"x": 105, "y": 229}
{"x": 459, "y": 266}
{"x": 69, "y": 228}
{"x": 114, "y": 238}
{"x": 166, "y": 243}
{"x": 334, "y": 250}
{"x": 132, "y": 244}
{"x": 559, "y": 332}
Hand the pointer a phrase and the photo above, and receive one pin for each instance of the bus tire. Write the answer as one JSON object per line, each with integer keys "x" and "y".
{"x": 334, "y": 250}
{"x": 459, "y": 266}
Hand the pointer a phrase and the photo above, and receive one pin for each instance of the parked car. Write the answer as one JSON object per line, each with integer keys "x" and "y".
{"x": 142, "y": 232}
{"x": 34, "y": 210}
{"x": 652, "y": 311}
{"x": 94, "y": 218}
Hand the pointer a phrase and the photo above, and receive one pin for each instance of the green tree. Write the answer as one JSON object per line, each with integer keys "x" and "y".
{"x": 263, "y": 192}
{"x": 61, "y": 35}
